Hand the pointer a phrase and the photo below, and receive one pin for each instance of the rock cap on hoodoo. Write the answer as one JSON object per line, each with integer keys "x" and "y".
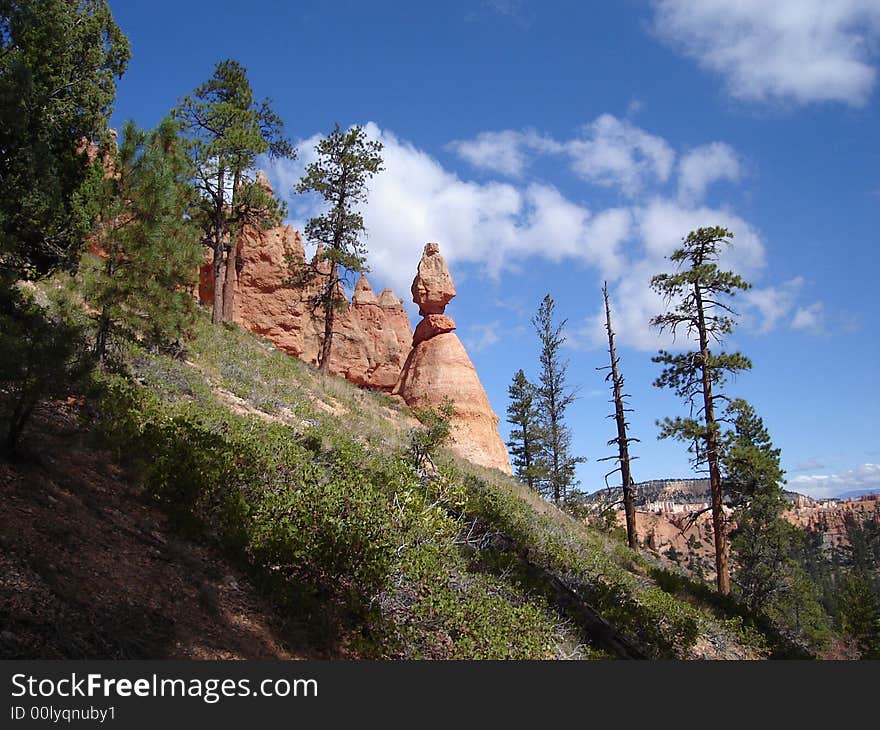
{"x": 363, "y": 292}
{"x": 432, "y": 289}
{"x": 431, "y": 326}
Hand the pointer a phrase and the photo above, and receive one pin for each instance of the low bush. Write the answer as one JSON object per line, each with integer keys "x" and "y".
{"x": 317, "y": 514}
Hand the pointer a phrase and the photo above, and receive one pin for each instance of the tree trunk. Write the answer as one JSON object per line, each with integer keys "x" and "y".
{"x": 718, "y": 528}
{"x": 101, "y": 335}
{"x": 230, "y": 280}
{"x": 219, "y": 280}
{"x": 629, "y": 507}
{"x": 554, "y": 435}
{"x": 527, "y": 457}
{"x": 17, "y": 422}
{"x": 219, "y": 221}
{"x": 329, "y": 316}
{"x": 103, "y": 329}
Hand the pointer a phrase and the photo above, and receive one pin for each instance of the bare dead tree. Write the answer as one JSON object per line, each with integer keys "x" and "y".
{"x": 622, "y": 440}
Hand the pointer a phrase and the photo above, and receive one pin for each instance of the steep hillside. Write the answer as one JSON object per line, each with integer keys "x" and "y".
{"x": 236, "y": 503}
{"x": 89, "y": 568}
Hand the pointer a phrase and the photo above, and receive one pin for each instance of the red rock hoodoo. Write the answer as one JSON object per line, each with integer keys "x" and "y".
{"x": 439, "y": 366}
{"x": 373, "y": 342}
{"x": 372, "y": 336}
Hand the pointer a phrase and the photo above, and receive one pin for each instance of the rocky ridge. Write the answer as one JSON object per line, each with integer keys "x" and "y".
{"x": 372, "y": 335}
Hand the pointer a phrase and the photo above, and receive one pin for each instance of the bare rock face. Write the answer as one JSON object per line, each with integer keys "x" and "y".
{"x": 431, "y": 326}
{"x": 372, "y": 340}
{"x": 262, "y": 304}
{"x": 363, "y": 293}
{"x": 372, "y": 336}
{"x": 438, "y": 366}
{"x": 432, "y": 289}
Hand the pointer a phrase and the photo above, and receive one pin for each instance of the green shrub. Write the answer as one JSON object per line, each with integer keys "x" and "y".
{"x": 334, "y": 518}
{"x": 43, "y": 355}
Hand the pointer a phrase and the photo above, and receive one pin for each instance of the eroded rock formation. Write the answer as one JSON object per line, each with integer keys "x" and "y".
{"x": 439, "y": 366}
{"x": 373, "y": 342}
{"x": 372, "y": 336}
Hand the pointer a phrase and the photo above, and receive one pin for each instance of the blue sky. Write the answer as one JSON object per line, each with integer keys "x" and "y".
{"x": 548, "y": 146}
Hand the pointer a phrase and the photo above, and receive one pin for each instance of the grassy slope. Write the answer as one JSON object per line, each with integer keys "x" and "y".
{"x": 302, "y": 480}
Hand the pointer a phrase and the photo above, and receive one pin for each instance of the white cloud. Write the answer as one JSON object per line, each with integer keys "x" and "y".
{"x": 481, "y": 336}
{"x": 810, "y": 319}
{"x": 704, "y": 165}
{"x": 616, "y": 153}
{"x": 663, "y": 223}
{"x": 866, "y": 476}
{"x": 609, "y": 152}
{"x": 799, "y": 50}
{"x": 765, "y": 308}
{"x": 658, "y": 228}
{"x": 494, "y": 225}
{"x": 498, "y": 226}
{"x": 506, "y": 152}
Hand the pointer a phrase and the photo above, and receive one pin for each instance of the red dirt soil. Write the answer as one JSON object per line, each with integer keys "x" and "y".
{"x": 90, "y": 569}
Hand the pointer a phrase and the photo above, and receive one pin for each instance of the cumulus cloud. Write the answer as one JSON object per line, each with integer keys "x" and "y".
{"x": 658, "y": 228}
{"x": 497, "y": 226}
{"x": 765, "y": 308}
{"x": 703, "y": 166}
{"x": 494, "y": 225}
{"x": 613, "y": 152}
{"x": 819, "y": 486}
{"x": 793, "y": 50}
{"x": 609, "y": 152}
{"x": 506, "y": 152}
{"x": 810, "y": 319}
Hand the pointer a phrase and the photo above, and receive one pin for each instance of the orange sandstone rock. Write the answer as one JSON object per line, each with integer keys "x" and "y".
{"x": 432, "y": 289}
{"x": 372, "y": 335}
{"x": 438, "y": 366}
{"x": 431, "y": 326}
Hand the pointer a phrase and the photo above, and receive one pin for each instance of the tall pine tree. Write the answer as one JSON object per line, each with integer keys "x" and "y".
{"x": 225, "y": 129}
{"x": 59, "y": 61}
{"x": 554, "y": 396}
{"x": 346, "y": 161}
{"x": 752, "y": 478}
{"x": 695, "y": 296}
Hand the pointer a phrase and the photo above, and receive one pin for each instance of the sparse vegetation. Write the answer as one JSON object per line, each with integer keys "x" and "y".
{"x": 330, "y": 516}
{"x": 342, "y": 506}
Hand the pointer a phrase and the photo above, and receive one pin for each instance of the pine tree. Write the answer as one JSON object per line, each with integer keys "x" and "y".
{"x": 859, "y": 585}
{"x": 141, "y": 281}
{"x": 525, "y": 437}
{"x": 346, "y": 161}
{"x": 225, "y": 130}
{"x": 694, "y": 294}
{"x": 556, "y": 463}
{"x": 58, "y": 64}
{"x": 752, "y": 478}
